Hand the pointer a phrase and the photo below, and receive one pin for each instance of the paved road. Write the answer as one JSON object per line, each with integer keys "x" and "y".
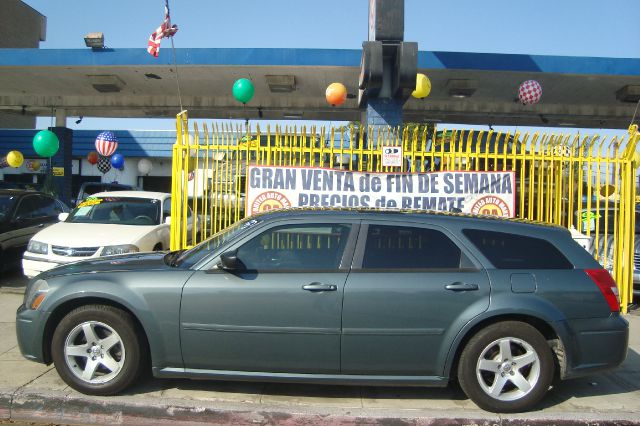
{"x": 34, "y": 392}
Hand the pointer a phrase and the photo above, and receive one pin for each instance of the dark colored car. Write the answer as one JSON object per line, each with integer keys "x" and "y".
{"x": 343, "y": 297}
{"x": 22, "y": 215}
{"x": 90, "y": 188}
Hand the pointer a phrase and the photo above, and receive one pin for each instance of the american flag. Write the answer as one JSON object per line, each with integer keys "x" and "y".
{"x": 106, "y": 144}
{"x": 164, "y": 30}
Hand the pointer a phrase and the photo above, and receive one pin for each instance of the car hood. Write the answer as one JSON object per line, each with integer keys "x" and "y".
{"x": 127, "y": 262}
{"x": 91, "y": 234}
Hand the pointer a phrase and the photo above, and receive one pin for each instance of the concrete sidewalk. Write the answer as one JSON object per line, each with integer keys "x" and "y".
{"x": 34, "y": 392}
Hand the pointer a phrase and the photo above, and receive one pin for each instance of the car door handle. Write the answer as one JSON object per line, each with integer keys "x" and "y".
{"x": 319, "y": 287}
{"x": 40, "y": 225}
{"x": 458, "y": 286}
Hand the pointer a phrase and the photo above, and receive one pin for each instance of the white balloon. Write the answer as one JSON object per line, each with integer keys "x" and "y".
{"x": 144, "y": 166}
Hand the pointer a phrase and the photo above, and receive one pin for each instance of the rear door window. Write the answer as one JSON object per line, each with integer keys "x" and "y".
{"x": 409, "y": 248}
{"x": 513, "y": 251}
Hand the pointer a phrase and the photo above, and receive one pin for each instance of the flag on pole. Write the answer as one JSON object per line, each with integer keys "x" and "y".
{"x": 164, "y": 30}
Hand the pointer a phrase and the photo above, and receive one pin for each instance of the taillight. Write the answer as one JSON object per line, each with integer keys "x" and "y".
{"x": 607, "y": 286}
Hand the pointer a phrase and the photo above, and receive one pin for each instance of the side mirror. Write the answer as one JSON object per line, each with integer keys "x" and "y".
{"x": 167, "y": 220}
{"x": 229, "y": 261}
{"x": 63, "y": 216}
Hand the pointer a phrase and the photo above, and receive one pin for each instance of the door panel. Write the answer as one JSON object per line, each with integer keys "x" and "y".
{"x": 396, "y": 320}
{"x": 261, "y": 318}
{"x": 262, "y": 322}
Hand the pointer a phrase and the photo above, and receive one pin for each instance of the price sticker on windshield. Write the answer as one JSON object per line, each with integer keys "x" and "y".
{"x": 90, "y": 202}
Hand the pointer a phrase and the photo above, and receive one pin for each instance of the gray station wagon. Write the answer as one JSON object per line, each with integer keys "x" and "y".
{"x": 342, "y": 297}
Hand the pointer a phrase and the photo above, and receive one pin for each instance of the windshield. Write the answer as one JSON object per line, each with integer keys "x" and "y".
{"x": 192, "y": 256}
{"x": 6, "y": 204}
{"x": 117, "y": 210}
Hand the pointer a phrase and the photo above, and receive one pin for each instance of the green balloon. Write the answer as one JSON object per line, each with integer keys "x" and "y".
{"x": 46, "y": 143}
{"x": 243, "y": 90}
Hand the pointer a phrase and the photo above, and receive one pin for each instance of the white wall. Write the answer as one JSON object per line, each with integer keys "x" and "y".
{"x": 128, "y": 176}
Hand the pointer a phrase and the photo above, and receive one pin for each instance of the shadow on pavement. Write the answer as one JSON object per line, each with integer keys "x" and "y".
{"x": 13, "y": 278}
{"x": 623, "y": 381}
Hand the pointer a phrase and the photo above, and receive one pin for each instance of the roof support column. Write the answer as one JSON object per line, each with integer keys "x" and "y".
{"x": 60, "y": 167}
{"x": 388, "y": 67}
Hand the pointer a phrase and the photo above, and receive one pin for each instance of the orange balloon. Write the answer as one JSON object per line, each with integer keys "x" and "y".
{"x": 336, "y": 94}
{"x": 92, "y": 157}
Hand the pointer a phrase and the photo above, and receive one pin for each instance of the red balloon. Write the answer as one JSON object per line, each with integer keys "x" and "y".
{"x": 336, "y": 94}
{"x": 92, "y": 157}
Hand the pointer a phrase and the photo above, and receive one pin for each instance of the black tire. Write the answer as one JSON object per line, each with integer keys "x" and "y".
{"x": 111, "y": 363}
{"x": 510, "y": 352}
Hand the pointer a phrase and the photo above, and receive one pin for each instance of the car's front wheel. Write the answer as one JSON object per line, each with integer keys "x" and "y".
{"x": 96, "y": 350}
{"x": 506, "y": 367}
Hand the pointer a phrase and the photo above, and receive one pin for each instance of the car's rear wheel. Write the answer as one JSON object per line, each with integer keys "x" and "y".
{"x": 96, "y": 350}
{"x": 506, "y": 367}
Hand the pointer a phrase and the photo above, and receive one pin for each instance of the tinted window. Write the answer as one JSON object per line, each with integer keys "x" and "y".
{"x": 403, "y": 247}
{"x": 299, "y": 247}
{"x": 92, "y": 189}
{"x": 166, "y": 208}
{"x": 27, "y": 207}
{"x": 6, "y": 205}
{"x": 511, "y": 251}
{"x": 46, "y": 207}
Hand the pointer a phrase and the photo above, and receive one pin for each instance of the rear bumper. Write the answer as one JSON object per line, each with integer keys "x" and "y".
{"x": 594, "y": 345}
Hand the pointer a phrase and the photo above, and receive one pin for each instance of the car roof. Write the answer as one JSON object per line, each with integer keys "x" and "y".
{"x": 463, "y": 219}
{"x": 132, "y": 194}
{"x": 105, "y": 184}
{"x": 21, "y": 192}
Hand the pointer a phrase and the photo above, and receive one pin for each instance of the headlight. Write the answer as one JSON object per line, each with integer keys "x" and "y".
{"x": 121, "y": 249}
{"x": 38, "y": 247}
{"x": 35, "y": 294}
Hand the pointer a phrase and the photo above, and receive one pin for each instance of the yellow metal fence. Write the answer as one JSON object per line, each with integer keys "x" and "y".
{"x": 584, "y": 183}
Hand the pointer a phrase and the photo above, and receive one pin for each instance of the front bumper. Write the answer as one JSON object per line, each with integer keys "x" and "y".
{"x": 595, "y": 344}
{"x": 30, "y": 326}
{"x": 32, "y": 267}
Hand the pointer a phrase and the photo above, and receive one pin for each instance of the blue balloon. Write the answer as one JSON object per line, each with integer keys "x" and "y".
{"x": 117, "y": 161}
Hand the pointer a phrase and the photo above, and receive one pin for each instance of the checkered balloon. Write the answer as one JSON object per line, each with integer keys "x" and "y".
{"x": 104, "y": 164}
{"x": 106, "y": 144}
{"x": 530, "y": 92}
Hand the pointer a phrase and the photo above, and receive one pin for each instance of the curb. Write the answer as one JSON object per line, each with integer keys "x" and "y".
{"x": 13, "y": 290}
{"x": 74, "y": 409}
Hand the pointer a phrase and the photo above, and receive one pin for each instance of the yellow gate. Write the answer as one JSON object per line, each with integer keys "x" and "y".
{"x": 584, "y": 183}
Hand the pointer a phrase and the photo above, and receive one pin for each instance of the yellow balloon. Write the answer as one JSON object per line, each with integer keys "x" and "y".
{"x": 423, "y": 86}
{"x": 15, "y": 158}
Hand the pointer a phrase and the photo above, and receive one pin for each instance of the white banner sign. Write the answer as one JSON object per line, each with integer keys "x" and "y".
{"x": 488, "y": 193}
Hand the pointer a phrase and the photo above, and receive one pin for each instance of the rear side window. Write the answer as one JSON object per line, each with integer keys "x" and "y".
{"x": 404, "y": 247}
{"x": 512, "y": 251}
